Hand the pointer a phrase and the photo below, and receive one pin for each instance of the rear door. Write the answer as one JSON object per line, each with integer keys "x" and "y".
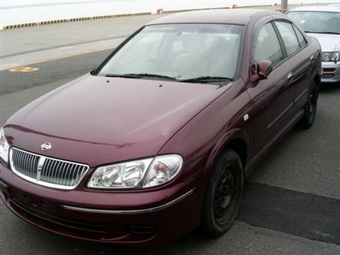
{"x": 297, "y": 51}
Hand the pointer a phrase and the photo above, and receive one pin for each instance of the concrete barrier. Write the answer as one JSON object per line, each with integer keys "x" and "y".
{"x": 23, "y": 13}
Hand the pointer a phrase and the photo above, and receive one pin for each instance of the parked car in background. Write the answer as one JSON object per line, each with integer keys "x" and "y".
{"x": 323, "y": 23}
{"x": 158, "y": 139}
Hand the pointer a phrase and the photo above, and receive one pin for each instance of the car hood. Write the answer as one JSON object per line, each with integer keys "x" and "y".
{"x": 98, "y": 120}
{"x": 328, "y": 42}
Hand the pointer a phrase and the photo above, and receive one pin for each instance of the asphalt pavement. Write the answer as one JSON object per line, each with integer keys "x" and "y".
{"x": 46, "y": 42}
{"x": 291, "y": 203}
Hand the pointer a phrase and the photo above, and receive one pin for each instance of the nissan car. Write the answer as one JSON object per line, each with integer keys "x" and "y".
{"x": 159, "y": 138}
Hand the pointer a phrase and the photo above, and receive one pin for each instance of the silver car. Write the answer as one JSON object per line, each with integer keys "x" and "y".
{"x": 323, "y": 23}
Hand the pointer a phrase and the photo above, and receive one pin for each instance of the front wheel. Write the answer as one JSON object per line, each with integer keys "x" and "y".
{"x": 223, "y": 195}
{"x": 308, "y": 118}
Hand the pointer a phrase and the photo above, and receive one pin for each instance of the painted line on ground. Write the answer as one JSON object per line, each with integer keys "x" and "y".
{"x": 54, "y": 59}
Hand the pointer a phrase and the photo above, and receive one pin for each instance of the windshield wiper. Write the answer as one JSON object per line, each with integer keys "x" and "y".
{"x": 122, "y": 76}
{"x": 201, "y": 79}
{"x": 324, "y": 32}
{"x": 143, "y": 75}
{"x": 207, "y": 79}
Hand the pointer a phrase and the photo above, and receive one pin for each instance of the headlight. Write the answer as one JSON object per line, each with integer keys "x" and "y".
{"x": 4, "y": 146}
{"x": 330, "y": 56}
{"x": 143, "y": 173}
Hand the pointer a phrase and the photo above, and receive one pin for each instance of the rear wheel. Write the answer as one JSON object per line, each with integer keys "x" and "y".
{"x": 223, "y": 195}
{"x": 310, "y": 109}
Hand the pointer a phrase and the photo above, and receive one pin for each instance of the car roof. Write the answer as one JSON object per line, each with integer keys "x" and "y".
{"x": 317, "y": 8}
{"x": 224, "y": 16}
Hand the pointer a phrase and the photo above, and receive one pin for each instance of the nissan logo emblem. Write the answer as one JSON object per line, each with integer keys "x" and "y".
{"x": 46, "y": 146}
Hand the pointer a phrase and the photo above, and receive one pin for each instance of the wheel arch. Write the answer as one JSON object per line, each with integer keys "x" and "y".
{"x": 238, "y": 145}
{"x": 236, "y": 140}
{"x": 317, "y": 79}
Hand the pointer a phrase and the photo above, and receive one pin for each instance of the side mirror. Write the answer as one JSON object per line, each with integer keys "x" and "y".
{"x": 260, "y": 71}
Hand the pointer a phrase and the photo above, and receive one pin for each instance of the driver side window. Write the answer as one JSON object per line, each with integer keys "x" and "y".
{"x": 267, "y": 45}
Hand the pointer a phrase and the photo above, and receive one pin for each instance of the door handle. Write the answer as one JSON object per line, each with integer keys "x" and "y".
{"x": 289, "y": 76}
{"x": 311, "y": 58}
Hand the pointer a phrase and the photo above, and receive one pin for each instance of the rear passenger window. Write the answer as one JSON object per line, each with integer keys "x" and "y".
{"x": 289, "y": 37}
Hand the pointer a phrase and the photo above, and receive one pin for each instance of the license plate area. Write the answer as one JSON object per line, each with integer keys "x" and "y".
{"x": 327, "y": 75}
{"x": 31, "y": 201}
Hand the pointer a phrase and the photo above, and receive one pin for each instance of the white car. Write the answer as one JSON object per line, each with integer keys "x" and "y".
{"x": 323, "y": 23}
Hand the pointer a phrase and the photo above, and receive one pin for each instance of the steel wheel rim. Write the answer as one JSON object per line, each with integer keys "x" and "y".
{"x": 226, "y": 196}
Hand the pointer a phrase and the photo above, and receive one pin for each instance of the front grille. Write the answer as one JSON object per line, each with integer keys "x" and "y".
{"x": 46, "y": 171}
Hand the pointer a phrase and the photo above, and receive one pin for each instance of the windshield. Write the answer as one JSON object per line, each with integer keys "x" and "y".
{"x": 180, "y": 52}
{"x": 317, "y": 21}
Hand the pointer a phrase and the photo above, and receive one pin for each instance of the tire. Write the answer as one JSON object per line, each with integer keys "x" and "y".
{"x": 223, "y": 195}
{"x": 308, "y": 118}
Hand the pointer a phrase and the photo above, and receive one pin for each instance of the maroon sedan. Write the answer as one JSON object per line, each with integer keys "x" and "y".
{"x": 159, "y": 138}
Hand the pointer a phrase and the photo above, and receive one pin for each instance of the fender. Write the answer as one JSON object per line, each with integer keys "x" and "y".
{"x": 223, "y": 142}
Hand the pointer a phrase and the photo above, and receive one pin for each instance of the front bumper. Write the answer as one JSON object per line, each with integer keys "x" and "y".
{"x": 331, "y": 72}
{"x": 149, "y": 218}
